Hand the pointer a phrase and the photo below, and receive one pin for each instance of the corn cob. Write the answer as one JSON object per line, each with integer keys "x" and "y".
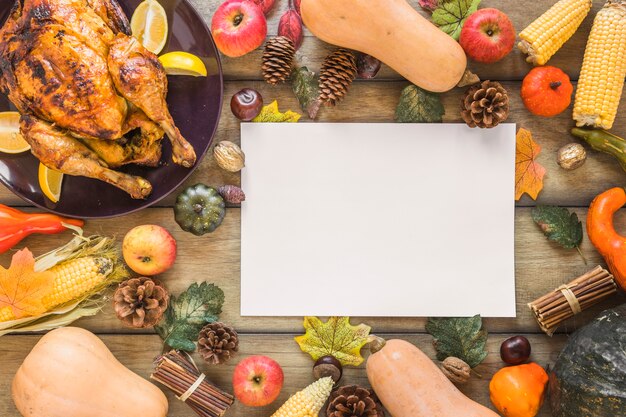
{"x": 73, "y": 279}
{"x": 308, "y": 402}
{"x": 545, "y": 36}
{"x": 604, "y": 68}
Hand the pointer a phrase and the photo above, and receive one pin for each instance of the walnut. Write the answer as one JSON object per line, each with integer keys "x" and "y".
{"x": 571, "y": 156}
{"x": 229, "y": 156}
{"x": 456, "y": 370}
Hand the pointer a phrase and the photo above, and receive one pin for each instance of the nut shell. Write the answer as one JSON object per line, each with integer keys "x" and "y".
{"x": 571, "y": 156}
{"x": 328, "y": 366}
{"x": 229, "y": 156}
{"x": 456, "y": 370}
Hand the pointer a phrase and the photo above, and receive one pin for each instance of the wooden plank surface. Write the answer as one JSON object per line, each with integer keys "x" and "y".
{"x": 137, "y": 352}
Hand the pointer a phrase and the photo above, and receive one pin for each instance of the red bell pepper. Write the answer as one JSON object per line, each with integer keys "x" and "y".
{"x": 15, "y": 225}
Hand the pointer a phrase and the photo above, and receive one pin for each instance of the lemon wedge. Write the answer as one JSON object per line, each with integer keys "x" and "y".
{"x": 149, "y": 25}
{"x": 50, "y": 182}
{"x": 11, "y": 140}
{"x": 183, "y": 63}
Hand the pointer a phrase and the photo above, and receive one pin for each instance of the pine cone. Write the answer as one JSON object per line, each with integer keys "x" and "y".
{"x": 354, "y": 401}
{"x": 231, "y": 194}
{"x": 140, "y": 302}
{"x": 278, "y": 59}
{"x": 217, "y": 343}
{"x": 337, "y": 73}
{"x": 485, "y": 105}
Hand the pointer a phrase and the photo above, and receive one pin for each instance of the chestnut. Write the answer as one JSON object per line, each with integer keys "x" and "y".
{"x": 328, "y": 366}
{"x": 515, "y": 350}
{"x": 246, "y": 104}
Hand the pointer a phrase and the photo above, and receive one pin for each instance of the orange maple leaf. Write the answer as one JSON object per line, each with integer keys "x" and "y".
{"x": 528, "y": 173}
{"x": 21, "y": 288}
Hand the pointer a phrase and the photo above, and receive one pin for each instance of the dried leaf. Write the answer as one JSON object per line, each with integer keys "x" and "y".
{"x": 560, "y": 226}
{"x": 429, "y": 5}
{"x": 450, "y": 15}
{"x": 461, "y": 337}
{"x": 296, "y": 5}
{"x": 306, "y": 88}
{"x": 290, "y": 26}
{"x": 337, "y": 337}
{"x": 528, "y": 173}
{"x": 419, "y": 106}
{"x": 21, "y": 288}
{"x": 187, "y": 314}
{"x": 270, "y": 114}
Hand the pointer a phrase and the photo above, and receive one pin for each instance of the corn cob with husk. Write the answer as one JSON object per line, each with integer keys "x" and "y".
{"x": 82, "y": 269}
{"x": 309, "y": 401}
{"x": 547, "y": 34}
{"x": 604, "y": 67}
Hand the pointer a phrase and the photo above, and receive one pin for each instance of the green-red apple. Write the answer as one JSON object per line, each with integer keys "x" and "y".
{"x": 238, "y": 27}
{"x": 257, "y": 381}
{"x": 149, "y": 249}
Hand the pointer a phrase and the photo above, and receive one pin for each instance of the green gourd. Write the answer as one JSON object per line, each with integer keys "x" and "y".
{"x": 604, "y": 141}
{"x": 589, "y": 377}
{"x": 199, "y": 209}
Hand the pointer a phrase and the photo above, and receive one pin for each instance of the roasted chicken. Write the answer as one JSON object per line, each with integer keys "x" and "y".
{"x": 92, "y": 98}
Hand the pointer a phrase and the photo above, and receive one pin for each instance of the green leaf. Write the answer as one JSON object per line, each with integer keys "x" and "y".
{"x": 188, "y": 313}
{"x": 450, "y": 15}
{"x": 461, "y": 337}
{"x": 419, "y": 106}
{"x": 306, "y": 88}
{"x": 559, "y": 225}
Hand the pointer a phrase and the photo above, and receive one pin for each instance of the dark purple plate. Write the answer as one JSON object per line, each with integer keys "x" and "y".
{"x": 195, "y": 104}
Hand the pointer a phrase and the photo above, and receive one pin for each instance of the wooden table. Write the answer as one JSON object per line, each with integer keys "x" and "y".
{"x": 540, "y": 265}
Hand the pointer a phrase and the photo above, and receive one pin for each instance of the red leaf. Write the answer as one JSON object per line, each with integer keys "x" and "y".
{"x": 266, "y": 5}
{"x": 290, "y": 25}
{"x": 296, "y": 4}
{"x": 429, "y": 5}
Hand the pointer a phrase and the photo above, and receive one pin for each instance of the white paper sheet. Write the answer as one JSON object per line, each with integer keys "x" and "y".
{"x": 377, "y": 220}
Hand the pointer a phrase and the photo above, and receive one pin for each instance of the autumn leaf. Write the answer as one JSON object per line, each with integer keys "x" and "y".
{"x": 305, "y": 86}
{"x": 337, "y": 337}
{"x": 461, "y": 337}
{"x": 560, "y": 226}
{"x": 528, "y": 173}
{"x": 450, "y": 15}
{"x": 21, "y": 288}
{"x": 270, "y": 114}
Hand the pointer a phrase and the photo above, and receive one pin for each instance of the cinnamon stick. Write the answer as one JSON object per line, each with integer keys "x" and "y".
{"x": 179, "y": 373}
{"x": 588, "y": 289}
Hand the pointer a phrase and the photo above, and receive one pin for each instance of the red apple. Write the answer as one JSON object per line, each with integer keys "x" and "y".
{"x": 487, "y": 36}
{"x": 266, "y": 5}
{"x": 238, "y": 27}
{"x": 257, "y": 381}
{"x": 149, "y": 249}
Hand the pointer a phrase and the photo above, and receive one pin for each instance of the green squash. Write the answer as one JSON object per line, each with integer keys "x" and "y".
{"x": 199, "y": 209}
{"x": 589, "y": 378}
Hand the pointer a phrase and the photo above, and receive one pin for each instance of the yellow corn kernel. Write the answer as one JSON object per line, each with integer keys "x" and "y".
{"x": 75, "y": 278}
{"x": 547, "y": 34}
{"x": 604, "y": 67}
{"x": 308, "y": 402}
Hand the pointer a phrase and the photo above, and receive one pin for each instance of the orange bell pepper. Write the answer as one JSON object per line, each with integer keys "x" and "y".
{"x": 518, "y": 391}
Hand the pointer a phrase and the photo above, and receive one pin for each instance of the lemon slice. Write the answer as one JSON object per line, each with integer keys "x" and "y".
{"x": 183, "y": 63}
{"x": 149, "y": 25}
{"x": 50, "y": 182}
{"x": 11, "y": 140}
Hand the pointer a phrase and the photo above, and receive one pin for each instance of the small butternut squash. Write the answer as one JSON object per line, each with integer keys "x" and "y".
{"x": 71, "y": 373}
{"x": 395, "y": 33}
{"x": 409, "y": 384}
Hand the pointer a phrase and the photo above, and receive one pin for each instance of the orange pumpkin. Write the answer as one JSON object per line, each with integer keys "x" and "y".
{"x": 602, "y": 234}
{"x": 518, "y": 391}
{"x": 547, "y": 91}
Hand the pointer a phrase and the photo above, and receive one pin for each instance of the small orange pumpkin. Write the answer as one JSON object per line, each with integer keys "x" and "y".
{"x": 547, "y": 91}
{"x": 518, "y": 391}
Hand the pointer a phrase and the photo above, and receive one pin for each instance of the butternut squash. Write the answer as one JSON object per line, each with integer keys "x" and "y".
{"x": 409, "y": 384}
{"x": 395, "y": 33}
{"x": 71, "y": 373}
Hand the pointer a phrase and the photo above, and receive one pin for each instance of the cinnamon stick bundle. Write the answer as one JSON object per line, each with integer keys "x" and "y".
{"x": 178, "y": 372}
{"x": 570, "y": 299}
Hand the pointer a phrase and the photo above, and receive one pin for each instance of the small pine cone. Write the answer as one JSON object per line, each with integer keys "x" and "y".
{"x": 485, "y": 105}
{"x": 354, "y": 401}
{"x": 231, "y": 194}
{"x": 337, "y": 73}
{"x": 278, "y": 59}
{"x": 217, "y": 343}
{"x": 140, "y": 302}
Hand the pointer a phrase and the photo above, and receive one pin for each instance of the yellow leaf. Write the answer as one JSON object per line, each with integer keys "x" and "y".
{"x": 21, "y": 288}
{"x": 528, "y": 173}
{"x": 337, "y": 337}
{"x": 270, "y": 114}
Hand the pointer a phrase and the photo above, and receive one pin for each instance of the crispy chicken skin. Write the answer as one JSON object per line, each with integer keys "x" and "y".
{"x": 84, "y": 85}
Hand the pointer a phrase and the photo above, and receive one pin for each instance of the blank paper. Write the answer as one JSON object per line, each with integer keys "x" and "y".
{"x": 377, "y": 220}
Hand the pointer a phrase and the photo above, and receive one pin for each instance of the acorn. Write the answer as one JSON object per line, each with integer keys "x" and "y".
{"x": 328, "y": 366}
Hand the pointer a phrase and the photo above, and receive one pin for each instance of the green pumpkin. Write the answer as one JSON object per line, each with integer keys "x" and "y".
{"x": 589, "y": 378}
{"x": 199, "y": 209}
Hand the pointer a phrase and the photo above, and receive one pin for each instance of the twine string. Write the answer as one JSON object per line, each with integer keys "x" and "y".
{"x": 571, "y": 298}
{"x": 192, "y": 388}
